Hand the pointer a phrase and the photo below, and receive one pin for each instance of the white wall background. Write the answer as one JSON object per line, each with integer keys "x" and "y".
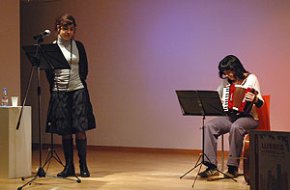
{"x": 141, "y": 51}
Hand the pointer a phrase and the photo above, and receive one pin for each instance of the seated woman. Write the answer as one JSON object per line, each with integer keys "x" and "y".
{"x": 236, "y": 124}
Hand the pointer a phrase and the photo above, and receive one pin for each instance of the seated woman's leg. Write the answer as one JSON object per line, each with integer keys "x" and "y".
{"x": 237, "y": 132}
{"x": 212, "y": 130}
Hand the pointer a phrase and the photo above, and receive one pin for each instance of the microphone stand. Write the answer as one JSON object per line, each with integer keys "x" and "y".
{"x": 36, "y": 65}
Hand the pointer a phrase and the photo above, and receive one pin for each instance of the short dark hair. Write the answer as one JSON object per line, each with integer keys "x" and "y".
{"x": 65, "y": 20}
{"x": 232, "y": 63}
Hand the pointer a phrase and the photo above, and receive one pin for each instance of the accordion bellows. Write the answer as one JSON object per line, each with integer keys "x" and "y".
{"x": 234, "y": 98}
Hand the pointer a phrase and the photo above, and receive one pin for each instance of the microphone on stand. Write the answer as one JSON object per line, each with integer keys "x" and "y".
{"x": 42, "y": 35}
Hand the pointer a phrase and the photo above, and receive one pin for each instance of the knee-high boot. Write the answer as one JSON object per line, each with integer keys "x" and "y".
{"x": 82, "y": 153}
{"x": 69, "y": 170}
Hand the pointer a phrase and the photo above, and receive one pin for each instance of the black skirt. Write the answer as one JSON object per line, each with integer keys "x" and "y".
{"x": 70, "y": 112}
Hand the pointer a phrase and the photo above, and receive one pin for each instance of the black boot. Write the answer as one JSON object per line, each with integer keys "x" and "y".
{"x": 69, "y": 169}
{"x": 82, "y": 152}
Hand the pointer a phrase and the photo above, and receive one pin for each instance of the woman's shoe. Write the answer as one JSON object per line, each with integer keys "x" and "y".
{"x": 69, "y": 170}
{"x": 84, "y": 172}
{"x": 232, "y": 172}
{"x": 208, "y": 173}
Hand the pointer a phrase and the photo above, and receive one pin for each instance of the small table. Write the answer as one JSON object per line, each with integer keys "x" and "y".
{"x": 15, "y": 145}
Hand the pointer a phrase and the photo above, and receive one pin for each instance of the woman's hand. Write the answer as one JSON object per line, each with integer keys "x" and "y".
{"x": 251, "y": 97}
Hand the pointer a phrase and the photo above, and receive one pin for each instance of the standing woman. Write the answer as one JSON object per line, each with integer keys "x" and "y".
{"x": 70, "y": 110}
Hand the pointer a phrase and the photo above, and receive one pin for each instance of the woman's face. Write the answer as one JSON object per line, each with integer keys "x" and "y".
{"x": 229, "y": 74}
{"x": 67, "y": 32}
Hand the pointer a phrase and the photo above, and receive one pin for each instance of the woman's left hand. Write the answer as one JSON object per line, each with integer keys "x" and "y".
{"x": 251, "y": 97}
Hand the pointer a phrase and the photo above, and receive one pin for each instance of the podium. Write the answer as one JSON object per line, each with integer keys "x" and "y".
{"x": 15, "y": 145}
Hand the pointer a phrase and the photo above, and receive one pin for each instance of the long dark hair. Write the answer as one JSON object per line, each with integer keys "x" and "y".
{"x": 232, "y": 63}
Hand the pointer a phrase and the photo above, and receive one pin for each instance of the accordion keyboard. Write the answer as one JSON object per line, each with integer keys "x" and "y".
{"x": 225, "y": 98}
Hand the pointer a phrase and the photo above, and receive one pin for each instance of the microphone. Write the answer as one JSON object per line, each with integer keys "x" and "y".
{"x": 42, "y": 35}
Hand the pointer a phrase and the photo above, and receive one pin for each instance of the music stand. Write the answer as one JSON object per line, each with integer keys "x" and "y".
{"x": 49, "y": 56}
{"x": 42, "y": 57}
{"x": 200, "y": 103}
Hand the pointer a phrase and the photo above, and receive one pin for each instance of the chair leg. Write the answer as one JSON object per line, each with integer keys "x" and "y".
{"x": 223, "y": 154}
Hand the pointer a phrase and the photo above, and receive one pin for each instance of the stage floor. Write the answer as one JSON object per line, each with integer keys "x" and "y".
{"x": 126, "y": 169}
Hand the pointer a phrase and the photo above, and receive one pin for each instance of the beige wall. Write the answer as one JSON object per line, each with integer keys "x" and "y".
{"x": 10, "y": 48}
{"x": 141, "y": 51}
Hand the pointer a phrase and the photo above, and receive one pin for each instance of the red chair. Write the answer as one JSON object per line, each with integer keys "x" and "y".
{"x": 264, "y": 124}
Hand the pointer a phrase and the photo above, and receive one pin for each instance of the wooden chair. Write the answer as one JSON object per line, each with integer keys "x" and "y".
{"x": 264, "y": 124}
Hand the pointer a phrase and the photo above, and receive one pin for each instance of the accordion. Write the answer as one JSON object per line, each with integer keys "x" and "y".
{"x": 234, "y": 100}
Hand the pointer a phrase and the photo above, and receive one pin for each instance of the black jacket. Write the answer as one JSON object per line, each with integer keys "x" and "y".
{"x": 83, "y": 67}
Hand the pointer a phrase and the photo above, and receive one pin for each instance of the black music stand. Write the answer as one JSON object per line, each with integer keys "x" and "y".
{"x": 50, "y": 58}
{"x": 200, "y": 103}
{"x": 46, "y": 56}
{"x": 42, "y": 57}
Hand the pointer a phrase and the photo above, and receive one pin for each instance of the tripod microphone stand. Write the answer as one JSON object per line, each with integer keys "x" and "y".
{"x": 52, "y": 154}
{"x": 45, "y": 56}
{"x": 40, "y": 171}
{"x": 200, "y": 103}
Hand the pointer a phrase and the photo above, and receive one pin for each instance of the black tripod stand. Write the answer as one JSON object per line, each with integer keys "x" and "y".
{"x": 46, "y": 56}
{"x": 52, "y": 154}
{"x": 200, "y": 103}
